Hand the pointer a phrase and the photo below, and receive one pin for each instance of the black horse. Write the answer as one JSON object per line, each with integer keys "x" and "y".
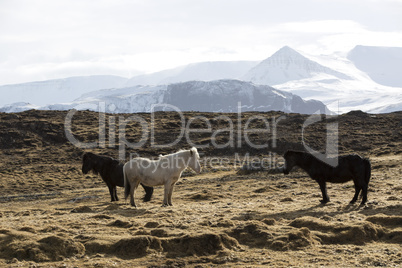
{"x": 350, "y": 167}
{"x": 111, "y": 171}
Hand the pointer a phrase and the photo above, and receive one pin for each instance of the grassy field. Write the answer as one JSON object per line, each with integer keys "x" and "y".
{"x": 51, "y": 215}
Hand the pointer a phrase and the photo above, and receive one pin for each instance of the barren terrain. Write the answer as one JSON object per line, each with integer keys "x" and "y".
{"x": 51, "y": 215}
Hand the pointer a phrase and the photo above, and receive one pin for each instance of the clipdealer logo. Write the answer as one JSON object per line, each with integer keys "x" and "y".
{"x": 237, "y": 131}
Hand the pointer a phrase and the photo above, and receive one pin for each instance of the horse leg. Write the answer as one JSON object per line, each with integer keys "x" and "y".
{"x": 170, "y": 195}
{"x": 132, "y": 192}
{"x": 115, "y": 193}
{"x": 323, "y": 187}
{"x": 148, "y": 192}
{"x": 166, "y": 195}
{"x": 357, "y": 191}
{"x": 360, "y": 184}
{"x": 364, "y": 193}
{"x": 363, "y": 180}
{"x": 111, "y": 192}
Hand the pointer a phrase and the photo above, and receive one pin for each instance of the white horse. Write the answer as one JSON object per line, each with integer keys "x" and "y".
{"x": 164, "y": 171}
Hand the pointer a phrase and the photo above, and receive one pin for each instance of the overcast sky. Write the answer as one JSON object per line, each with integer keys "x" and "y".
{"x": 47, "y": 39}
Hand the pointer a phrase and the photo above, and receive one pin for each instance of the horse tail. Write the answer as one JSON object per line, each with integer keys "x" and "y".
{"x": 367, "y": 170}
{"x": 127, "y": 185}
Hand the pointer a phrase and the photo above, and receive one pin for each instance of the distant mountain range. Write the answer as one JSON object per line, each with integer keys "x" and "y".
{"x": 211, "y": 96}
{"x": 58, "y": 90}
{"x": 367, "y": 79}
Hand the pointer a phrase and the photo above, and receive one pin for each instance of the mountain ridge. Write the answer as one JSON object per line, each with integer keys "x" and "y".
{"x": 212, "y": 96}
{"x": 57, "y": 90}
{"x": 332, "y": 79}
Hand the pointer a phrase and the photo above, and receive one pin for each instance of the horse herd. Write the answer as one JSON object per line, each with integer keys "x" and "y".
{"x": 167, "y": 169}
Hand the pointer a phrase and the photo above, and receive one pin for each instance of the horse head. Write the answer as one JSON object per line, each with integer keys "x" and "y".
{"x": 289, "y": 162}
{"x": 194, "y": 162}
{"x": 87, "y": 163}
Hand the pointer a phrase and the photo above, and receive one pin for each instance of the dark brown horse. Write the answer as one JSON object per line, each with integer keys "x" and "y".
{"x": 350, "y": 167}
{"x": 111, "y": 172}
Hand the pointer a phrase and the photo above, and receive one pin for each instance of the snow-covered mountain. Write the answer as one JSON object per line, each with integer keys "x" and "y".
{"x": 287, "y": 65}
{"x": 58, "y": 90}
{"x": 203, "y": 71}
{"x": 118, "y": 100}
{"x": 225, "y": 95}
{"x": 343, "y": 82}
{"x": 382, "y": 64}
{"x": 18, "y": 107}
{"x": 211, "y": 96}
{"x": 343, "y": 87}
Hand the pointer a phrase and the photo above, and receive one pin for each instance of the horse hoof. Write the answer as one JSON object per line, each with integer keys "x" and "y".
{"x": 324, "y": 201}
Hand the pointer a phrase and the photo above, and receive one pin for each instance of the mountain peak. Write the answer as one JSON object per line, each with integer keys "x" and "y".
{"x": 286, "y": 65}
{"x": 286, "y": 50}
{"x": 286, "y": 55}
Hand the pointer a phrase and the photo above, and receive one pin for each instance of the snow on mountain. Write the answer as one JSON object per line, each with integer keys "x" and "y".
{"x": 382, "y": 64}
{"x": 342, "y": 82}
{"x": 59, "y": 90}
{"x": 342, "y": 87}
{"x": 342, "y": 97}
{"x": 17, "y": 107}
{"x": 388, "y": 108}
{"x": 287, "y": 65}
{"x": 211, "y": 96}
{"x": 122, "y": 100}
{"x": 203, "y": 71}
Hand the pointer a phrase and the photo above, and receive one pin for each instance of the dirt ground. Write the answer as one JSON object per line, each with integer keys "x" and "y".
{"x": 51, "y": 215}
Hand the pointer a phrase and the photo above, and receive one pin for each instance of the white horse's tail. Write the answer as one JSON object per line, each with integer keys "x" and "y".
{"x": 127, "y": 186}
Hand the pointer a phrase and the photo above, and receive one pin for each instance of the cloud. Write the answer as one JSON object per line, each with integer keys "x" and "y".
{"x": 49, "y": 39}
{"x": 326, "y": 27}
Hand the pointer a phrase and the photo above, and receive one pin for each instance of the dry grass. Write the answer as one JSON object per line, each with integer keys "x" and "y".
{"x": 53, "y": 216}
{"x": 223, "y": 218}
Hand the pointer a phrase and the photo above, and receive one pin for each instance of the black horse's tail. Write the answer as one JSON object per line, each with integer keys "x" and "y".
{"x": 127, "y": 186}
{"x": 367, "y": 170}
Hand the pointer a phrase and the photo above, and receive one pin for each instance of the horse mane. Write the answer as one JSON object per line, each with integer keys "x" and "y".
{"x": 305, "y": 154}
{"x": 192, "y": 150}
{"x": 99, "y": 160}
{"x": 313, "y": 157}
